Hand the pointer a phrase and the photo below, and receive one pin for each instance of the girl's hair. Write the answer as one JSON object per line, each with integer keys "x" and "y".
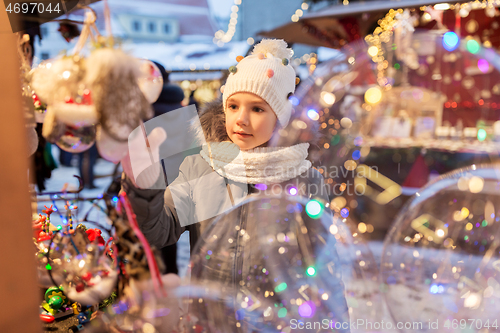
{"x": 213, "y": 121}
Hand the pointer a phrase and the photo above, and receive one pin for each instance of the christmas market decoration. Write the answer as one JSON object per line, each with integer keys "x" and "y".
{"x": 107, "y": 93}
{"x": 150, "y": 80}
{"x": 298, "y": 275}
{"x": 441, "y": 255}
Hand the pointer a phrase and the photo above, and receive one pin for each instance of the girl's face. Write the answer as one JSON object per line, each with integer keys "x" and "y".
{"x": 250, "y": 121}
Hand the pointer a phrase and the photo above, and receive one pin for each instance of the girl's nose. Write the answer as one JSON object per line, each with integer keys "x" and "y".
{"x": 242, "y": 119}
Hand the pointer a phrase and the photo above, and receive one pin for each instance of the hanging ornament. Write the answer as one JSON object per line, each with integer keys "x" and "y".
{"x": 120, "y": 104}
{"x": 150, "y": 80}
{"x": 77, "y": 110}
{"x": 92, "y": 275}
{"x": 68, "y": 138}
{"x": 70, "y": 116}
{"x": 71, "y": 98}
{"x": 76, "y": 140}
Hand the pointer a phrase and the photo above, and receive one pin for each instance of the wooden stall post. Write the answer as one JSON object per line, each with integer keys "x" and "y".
{"x": 18, "y": 285}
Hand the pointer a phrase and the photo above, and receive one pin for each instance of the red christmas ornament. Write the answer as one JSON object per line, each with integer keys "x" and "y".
{"x": 87, "y": 276}
{"x": 48, "y": 211}
{"x": 95, "y": 234}
{"x": 86, "y": 98}
{"x": 80, "y": 287}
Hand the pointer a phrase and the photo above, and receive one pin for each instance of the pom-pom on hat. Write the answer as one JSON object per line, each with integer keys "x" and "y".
{"x": 266, "y": 73}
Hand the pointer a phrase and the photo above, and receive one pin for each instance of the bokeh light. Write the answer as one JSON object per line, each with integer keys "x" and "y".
{"x": 373, "y": 95}
{"x": 450, "y": 41}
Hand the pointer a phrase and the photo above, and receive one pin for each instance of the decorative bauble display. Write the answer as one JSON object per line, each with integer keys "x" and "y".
{"x": 360, "y": 272}
{"x": 440, "y": 261}
{"x": 150, "y": 80}
{"x": 77, "y": 140}
{"x": 277, "y": 260}
{"x": 112, "y": 76}
{"x": 51, "y": 262}
{"x": 77, "y": 110}
{"x": 55, "y": 298}
{"x": 91, "y": 275}
{"x": 145, "y": 308}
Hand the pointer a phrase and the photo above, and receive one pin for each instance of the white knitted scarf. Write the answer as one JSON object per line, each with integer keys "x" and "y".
{"x": 266, "y": 165}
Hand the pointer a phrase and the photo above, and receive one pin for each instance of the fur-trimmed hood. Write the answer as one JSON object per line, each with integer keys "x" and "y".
{"x": 213, "y": 123}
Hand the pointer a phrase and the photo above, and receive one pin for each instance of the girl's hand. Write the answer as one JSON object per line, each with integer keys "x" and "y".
{"x": 141, "y": 165}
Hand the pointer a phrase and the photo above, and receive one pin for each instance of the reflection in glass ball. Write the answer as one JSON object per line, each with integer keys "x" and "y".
{"x": 441, "y": 258}
{"x": 150, "y": 80}
{"x": 91, "y": 273}
{"x": 143, "y": 308}
{"x": 52, "y": 262}
{"x": 395, "y": 91}
{"x": 359, "y": 271}
{"x": 276, "y": 259}
{"x": 76, "y": 140}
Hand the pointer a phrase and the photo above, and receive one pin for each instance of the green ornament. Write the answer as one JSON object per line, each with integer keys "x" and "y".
{"x": 233, "y": 69}
{"x": 55, "y": 297}
{"x": 55, "y": 302}
{"x": 284, "y": 61}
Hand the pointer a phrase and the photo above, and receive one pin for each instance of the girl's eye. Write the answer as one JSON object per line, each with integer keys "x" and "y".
{"x": 233, "y": 106}
{"x": 256, "y": 109}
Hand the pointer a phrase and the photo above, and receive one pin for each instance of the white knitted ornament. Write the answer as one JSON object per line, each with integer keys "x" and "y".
{"x": 268, "y": 74}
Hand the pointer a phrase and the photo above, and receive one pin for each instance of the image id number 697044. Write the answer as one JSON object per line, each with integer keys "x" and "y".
{"x": 33, "y": 7}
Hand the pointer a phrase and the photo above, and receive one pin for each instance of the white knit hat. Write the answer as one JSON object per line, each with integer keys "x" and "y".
{"x": 267, "y": 73}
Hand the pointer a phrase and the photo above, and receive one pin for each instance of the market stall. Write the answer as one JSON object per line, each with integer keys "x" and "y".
{"x": 272, "y": 261}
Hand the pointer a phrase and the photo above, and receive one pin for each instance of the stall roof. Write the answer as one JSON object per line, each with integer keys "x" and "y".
{"x": 329, "y": 26}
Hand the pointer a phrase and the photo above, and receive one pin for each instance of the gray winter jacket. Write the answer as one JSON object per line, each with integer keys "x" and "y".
{"x": 199, "y": 194}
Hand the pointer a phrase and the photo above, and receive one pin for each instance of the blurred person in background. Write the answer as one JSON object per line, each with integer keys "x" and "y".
{"x": 171, "y": 95}
{"x": 170, "y": 99}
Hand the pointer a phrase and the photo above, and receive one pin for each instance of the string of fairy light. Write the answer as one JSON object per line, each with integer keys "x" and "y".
{"x": 384, "y": 32}
{"x": 221, "y": 37}
{"x": 299, "y": 12}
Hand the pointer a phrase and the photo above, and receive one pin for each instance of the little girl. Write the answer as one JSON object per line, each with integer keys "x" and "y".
{"x": 235, "y": 161}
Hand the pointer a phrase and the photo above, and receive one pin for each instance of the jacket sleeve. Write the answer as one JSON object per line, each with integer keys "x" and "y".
{"x": 155, "y": 211}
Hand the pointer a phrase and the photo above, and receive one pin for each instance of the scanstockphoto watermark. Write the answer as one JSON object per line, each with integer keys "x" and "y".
{"x": 359, "y": 324}
{"x": 315, "y": 189}
{"x": 328, "y": 172}
{"x": 302, "y": 185}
